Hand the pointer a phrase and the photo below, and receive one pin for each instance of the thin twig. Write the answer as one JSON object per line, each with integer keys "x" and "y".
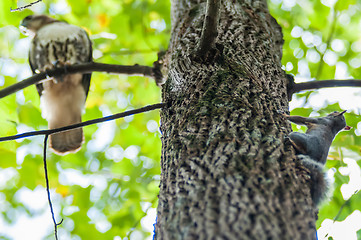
{"x": 139, "y": 219}
{"x": 24, "y": 7}
{"x": 86, "y": 123}
{"x": 330, "y": 36}
{"x": 48, "y": 190}
{"x": 343, "y": 205}
{"x": 127, "y": 52}
{"x": 82, "y": 68}
{"x": 325, "y": 84}
{"x": 209, "y": 30}
{"x": 341, "y": 208}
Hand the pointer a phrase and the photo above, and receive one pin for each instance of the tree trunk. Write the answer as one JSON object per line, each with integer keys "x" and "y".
{"x": 226, "y": 173}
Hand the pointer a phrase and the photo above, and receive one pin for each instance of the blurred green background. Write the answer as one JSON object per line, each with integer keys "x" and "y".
{"x": 109, "y": 189}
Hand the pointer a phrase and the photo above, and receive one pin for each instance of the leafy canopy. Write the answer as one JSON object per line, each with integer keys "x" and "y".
{"x": 107, "y": 188}
{"x": 112, "y": 183}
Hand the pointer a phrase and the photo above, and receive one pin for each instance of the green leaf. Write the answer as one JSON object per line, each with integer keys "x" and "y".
{"x": 31, "y": 172}
{"x": 79, "y": 7}
{"x": 81, "y": 197}
{"x": 344, "y": 4}
{"x": 358, "y": 233}
{"x": 31, "y": 116}
{"x": 125, "y": 167}
{"x": 8, "y": 158}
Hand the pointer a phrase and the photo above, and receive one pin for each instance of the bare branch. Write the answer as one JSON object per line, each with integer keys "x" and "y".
{"x": 86, "y": 123}
{"x": 209, "y": 31}
{"x": 83, "y": 68}
{"x": 24, "y": 7}
{"x": 325, "y": 84}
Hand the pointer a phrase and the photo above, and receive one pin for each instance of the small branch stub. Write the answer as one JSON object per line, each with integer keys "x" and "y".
{"x": 209, "y": 30}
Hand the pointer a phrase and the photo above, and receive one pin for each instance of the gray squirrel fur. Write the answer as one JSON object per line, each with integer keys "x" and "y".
{"x": 312, "y": 147}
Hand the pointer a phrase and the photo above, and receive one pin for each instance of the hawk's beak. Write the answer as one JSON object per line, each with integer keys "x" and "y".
{"x": 23, "y": 30}
{"x": 26, "y": 31}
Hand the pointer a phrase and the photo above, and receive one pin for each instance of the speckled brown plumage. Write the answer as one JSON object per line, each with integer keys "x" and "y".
{"x": 56, "y": 43}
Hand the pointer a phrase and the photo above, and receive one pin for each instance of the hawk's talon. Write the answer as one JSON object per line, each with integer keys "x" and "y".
{"x": 65, "y": 68}
{"x": 48, "y": 76}
{"x": 56, "y": 63}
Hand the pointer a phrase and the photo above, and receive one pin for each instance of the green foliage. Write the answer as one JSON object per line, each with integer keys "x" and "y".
{"x": 321, "y": 40}
{"x": 105, "y": 189}
{"x": 359, "y": 234}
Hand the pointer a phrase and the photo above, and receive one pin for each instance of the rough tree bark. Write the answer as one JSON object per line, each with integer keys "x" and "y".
{"x": 226, "y": 172}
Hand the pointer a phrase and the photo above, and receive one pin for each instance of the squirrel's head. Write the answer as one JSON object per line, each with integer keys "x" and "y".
{"x": 338, "y": 121}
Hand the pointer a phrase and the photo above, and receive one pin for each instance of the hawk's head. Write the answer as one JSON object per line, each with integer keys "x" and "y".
{"x": 32, "y": 23}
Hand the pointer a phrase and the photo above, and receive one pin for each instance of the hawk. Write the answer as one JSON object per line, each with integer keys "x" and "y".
{"x": 56, "y": 43}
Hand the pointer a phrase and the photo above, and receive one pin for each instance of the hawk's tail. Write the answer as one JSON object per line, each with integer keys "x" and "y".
{"x": 62, "y": 105}
{"x": 65, "y": 142}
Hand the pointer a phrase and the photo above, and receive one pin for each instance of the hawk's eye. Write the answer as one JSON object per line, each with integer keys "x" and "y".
{"x": 28, "y": 18}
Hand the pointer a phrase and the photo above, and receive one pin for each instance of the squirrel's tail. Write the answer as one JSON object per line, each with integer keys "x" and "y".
{"x": 318, "y": 182}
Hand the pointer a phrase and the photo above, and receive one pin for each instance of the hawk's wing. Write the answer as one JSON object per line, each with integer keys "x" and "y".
{"x": 86, "y": 77}
{"x": 35, "y": 65}
{"x": 39, "y": 86}
{"x": 85, "y": 80}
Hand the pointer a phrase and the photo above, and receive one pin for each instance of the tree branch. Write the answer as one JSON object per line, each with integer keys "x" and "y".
{"x": 24, "y": 7}
{"x": 86, "y": 123}
{"x": 209, "y": 31}
{"x": 90, "y": 67}
{"x": 297, "y": 87}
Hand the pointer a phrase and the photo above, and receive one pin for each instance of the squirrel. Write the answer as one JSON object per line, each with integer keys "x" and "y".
{"x": 312, "y": 147}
